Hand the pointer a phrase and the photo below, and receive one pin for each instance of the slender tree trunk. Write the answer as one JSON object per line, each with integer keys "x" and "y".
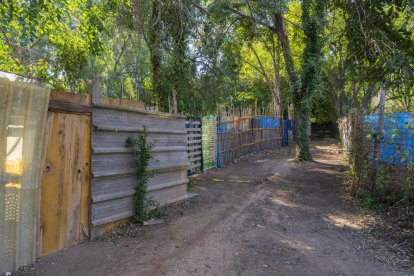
{"x": 72, "y": 87}
{"x": 181, "y": 79}
{"x": 294, "y": 82}
{"x": 278, "y": 101}
{"x": 377, "y": 140}
{"x": 367, "y": 96}
{"x": 154, "y": 47}
{"x": 300, "y": 115}
{"x": 281, "y": 34}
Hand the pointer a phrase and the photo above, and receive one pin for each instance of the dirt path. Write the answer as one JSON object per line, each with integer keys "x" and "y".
{"x": 265, "y": 216}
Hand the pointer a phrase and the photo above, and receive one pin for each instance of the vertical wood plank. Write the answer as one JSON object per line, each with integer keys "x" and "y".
{"x": 65, "y": 181}
{"x": 86, "y": 180}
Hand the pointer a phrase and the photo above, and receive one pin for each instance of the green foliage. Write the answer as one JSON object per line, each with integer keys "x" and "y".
{"x": 43, "y": 39}
{"x": 368, "y": 201}
{"x": 217, "y": 52}
{"x": 191, "y": 183}
{"x": 369, "y": 44}
{"x": 144, "y": 209}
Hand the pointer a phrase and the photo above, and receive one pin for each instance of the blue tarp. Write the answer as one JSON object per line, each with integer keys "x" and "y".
{"x": 221, "y": 128}
{"x": 397, "y": 143}
{"x": 268, "y": 122}
{"x": 288, "y": 126}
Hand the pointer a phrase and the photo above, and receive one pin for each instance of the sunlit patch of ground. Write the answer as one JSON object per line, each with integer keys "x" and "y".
{"x": 344, "y": 222}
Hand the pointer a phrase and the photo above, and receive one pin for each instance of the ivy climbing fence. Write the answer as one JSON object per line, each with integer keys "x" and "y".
{"x": 381, "y": 153}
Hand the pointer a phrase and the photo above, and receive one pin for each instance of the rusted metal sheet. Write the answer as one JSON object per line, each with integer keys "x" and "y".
{"x": 113, "y": 168}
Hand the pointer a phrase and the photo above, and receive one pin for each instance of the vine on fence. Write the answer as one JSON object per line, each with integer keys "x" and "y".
{"x": 144, "y": 209}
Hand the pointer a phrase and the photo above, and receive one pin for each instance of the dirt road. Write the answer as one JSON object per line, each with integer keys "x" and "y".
{"x": 268, "y": 215}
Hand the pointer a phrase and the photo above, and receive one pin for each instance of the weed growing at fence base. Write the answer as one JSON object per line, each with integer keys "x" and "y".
{"x": 368, "y": 201}
{"x": 144, "y": 209}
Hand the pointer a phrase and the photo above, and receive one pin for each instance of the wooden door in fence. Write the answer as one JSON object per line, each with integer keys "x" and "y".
{"x": 65, "y": 179}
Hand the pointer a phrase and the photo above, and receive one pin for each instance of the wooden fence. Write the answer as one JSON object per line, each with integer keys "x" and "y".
{"x": 237, "y": 137}
{"x": 75, "y": 148}
{"x": 65, "y": 173}
{"x": 194, "y": 152}
{"x": 209, "y": 137}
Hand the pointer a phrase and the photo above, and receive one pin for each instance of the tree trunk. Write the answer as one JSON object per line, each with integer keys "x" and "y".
{"x": 281, "y": 34}
{"x": 377, "y": 140}
{"x": 154, "y": 47}
{"x": 303, "y": 90}
{"x": 300, "y": 125}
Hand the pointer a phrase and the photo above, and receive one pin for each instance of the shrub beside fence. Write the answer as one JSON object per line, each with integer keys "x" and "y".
{"x": 382, "y": 160}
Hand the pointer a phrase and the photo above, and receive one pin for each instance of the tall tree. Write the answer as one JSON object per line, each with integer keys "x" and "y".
{"x": 302, "y": 87}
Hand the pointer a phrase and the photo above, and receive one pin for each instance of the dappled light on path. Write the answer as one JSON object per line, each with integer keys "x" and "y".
{"x": 343, "y": 222}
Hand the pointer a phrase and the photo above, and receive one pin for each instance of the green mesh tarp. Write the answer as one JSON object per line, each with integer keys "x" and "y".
{"x": 23, "y": 110}
{"x": 208, "y": 142}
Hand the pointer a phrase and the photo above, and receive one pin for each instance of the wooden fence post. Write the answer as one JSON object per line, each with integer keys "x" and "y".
{"x": 378, "y": 138}
{"x": 174, "y": 94}
{"x": 96, "y": 90}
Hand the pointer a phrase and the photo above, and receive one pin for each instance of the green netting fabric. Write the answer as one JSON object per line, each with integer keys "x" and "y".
{"x": 23, "y": 109}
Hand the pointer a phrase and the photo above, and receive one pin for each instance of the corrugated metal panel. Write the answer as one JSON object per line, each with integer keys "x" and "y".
{"x": 114, "y": 170}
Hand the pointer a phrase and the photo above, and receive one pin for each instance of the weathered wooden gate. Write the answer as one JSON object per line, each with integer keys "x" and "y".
{"x": 65, "y": 173}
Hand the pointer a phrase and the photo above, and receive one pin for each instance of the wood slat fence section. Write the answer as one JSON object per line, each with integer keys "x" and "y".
{"x": 209, "y": 127}
{"x": 238, "y": 137}
{"x": 194, "y": 148}
{"x": 65, "y": 173}
{"x": 114, "y": 170}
